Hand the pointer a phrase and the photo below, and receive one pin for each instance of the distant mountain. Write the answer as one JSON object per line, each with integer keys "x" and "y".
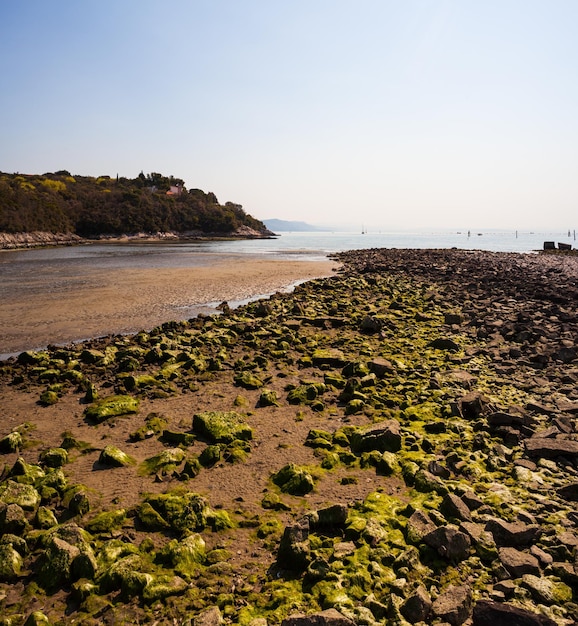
{"x": 278, "y": 226}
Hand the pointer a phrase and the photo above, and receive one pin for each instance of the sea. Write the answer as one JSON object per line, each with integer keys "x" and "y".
{"x": 23, "y": 269}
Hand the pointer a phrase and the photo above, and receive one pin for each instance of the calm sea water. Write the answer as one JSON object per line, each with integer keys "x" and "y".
{"x": 24, "y": 269}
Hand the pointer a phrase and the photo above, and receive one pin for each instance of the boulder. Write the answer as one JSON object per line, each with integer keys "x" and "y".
{"x": 208, "y": 617}
{"x": 512, "y": 533}
{"x": 54, "y": 567}
{"x": 383, "y": 436}
{"x": 454, "y": 508}
{"x": 10, "y": 563}
{"x": 450, "y": 543}
{"x": 12, "y": 519}
{"x": 551, "y": 448}
{"x": 487, "y": 613}
{"x": 293, "y": 552}
{"x": 518, "y": 563}
{"x": 418, "y": 526}
{"x": 111, "y": 406}
{"x": 112, "y": 456}
{"x": 221, "y": 426}
{"x": 294, "y": 480}
{"x": 453, "y": 605}
{"x": 417, "y": 606}
{"x": 26, "y": 496}
{"x": 547, "y": 590}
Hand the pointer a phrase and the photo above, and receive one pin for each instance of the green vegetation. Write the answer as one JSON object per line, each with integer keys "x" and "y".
{"x": 91, "y": 207}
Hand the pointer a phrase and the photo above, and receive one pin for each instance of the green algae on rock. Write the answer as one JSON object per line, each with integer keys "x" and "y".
{"x": 111, "y": 406}
{"x": 221, "y": 426}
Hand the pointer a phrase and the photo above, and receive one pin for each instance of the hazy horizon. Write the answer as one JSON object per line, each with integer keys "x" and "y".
{"x": 421, "y": 114}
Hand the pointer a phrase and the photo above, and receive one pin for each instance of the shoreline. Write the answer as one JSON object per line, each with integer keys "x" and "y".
{"x": 129, "y": 300}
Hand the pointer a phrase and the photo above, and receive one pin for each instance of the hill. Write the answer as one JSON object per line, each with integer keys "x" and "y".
{"x": 92, "y": 207}
{"x": 277, "y": 225}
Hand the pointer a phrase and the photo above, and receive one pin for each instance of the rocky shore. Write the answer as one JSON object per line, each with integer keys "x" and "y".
{"x": 38, "y": 239}
{"x": 395, "y": 444}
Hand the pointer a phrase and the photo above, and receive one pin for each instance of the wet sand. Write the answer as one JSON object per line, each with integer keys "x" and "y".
{"x": 129, "y": 300}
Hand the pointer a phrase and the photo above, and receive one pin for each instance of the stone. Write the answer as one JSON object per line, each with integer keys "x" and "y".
{"x": 380, "y": 366}
{"x": 518, "y": 563}
{"x": 55, "y": 564}
{"x": 453, "y": 605}
{"x": 547, "y": 590}
{"x": 111, "y": 456}
{"x": 445, "y": 343}
{"x": 383, "y": 436}
{"x": 294, "y": 480}
{"x": 569, "y": 492}
{"x": 209, "y": 617}
{"x": 487, "y": 613}
{"x": 418, "y": 526}
{"x": 513, "y": 534}
{"x": 293, "y": 552}
{"x": 222, "y": 426}
{"x": 417, "y": 606}
{"x": 551, "y": 448}
{"x": 329, "y": 617}
{"x": 472, "y": 405}
{"x": 12, "y": 519}
{"x": 454, "y": 508}
{"x": 450, "y": 543}
{"x": 12, "y": 442}
{"x": 483, "y": 540}
{"x": 112, "y": 406}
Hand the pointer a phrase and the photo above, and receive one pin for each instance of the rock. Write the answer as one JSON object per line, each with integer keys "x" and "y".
{"x": 10, "y": 563}
{"x": 79, "y": 504}
{"x": 209, "y": 617}
{"x": 12, "y": 519}
{"x": 488, "y": 613}
{"x": 380, "y": 366}
{"x": 112, "y": 456}
{"x": 546, "y": 590}
{"x": 551, "y": 448}
{"x": 454, "y": 605}
{"x": 383, "y": 436}
{"x": 293, "y": 552}
{"x": 222, "y": 426}
{"x": 512, "y": 533}
{"x": 124, "y": 576}
{"x": 162, "y": 587}
{"x": 54, "y": 457}
{"x": 426, "y": 482}
{"x": 331, "y": 517}
{"x": 55, "y": 564}
{"x": 111, "y": 406}
{"x": 454, "y": 508}
{"x": 26, "y": 496}
{"x": 37, "y": 618}
{"x": 12, "y": 442}
{"x": 472, "y": 405}
{"x": 294, "y": 480}
{"x": 518, "y": 563}
{"x": 417, "y": 606}
{"x": 329, "y": 617}
{"x": 483, "y": 540}
{"x": 449, "y": 542}
{"x": 186, "y": 555}
{"x": 444, "y": 343}
{"x": 418, "y": 526}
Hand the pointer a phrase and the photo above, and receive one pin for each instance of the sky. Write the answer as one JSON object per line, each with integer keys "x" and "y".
{"x": 375, "y": 113}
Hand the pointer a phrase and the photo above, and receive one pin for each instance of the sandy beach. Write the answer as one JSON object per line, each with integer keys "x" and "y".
{"x": 129, "y": 300}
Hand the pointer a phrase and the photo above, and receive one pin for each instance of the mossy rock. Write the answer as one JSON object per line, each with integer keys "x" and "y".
{"x": 21, "y": 494}
{"x": 12, "y": 442}
{"x": 23, "y": 472}
{"x": 268, "y": 398}
{"x": 155, "y": 424}
{"x": 319, "y": 439}
{"x": 111, "y": 406}
{"x": 11, "y": 562}
{"x": 54, "y": 457}
{"x": 45, "y": 518}
{"x": 164, "y": 586}
{"x": 248, "y": 381}
{"x": 37, "y": 618}
{"x": 176, "y": 438}
{"x": 222, "y": 426}
{"x": 185, "y": 556}
{"x": 48, "y": 397}
{"x": 107, "y": 521}
{"x": 164, "y": 462}
{"x": 124, "y": 576}
{"x": 210, "y": 456}
{"x": 112, "y": 456}
{"x": 54, "y": 567}
{"x": 271, "y": 500}
{"x": 181, "y": 511}
{"x": 151, "y": 519}
{"x": 294, "y": 480}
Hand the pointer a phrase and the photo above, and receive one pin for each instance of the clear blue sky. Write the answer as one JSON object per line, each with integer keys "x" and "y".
{"x": 391, "y": 114}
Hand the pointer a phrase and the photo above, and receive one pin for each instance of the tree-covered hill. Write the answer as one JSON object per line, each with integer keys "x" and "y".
{"x": 92, "y": 207}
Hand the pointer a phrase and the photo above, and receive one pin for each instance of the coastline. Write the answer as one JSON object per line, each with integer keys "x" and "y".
{"x": 408, "y": 425}
{"x": 129, "y": 300}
